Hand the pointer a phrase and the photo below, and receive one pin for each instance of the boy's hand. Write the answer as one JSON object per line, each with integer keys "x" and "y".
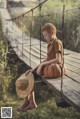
{"x": 39, "y": 69}
{"x": 30, "y": 70}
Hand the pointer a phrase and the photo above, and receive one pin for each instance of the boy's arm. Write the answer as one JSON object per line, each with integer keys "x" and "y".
{"x": 35, "y": 67}
{"x": 45, "y": 60}
{"x": 56, "y": 60}
{"x": 39, "y": 64}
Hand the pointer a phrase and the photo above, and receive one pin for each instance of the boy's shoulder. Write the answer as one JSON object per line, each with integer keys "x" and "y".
{"x": 58, "y": 41}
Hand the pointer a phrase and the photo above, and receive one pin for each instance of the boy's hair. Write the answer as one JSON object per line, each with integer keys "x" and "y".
{"x": 50, "y": 28}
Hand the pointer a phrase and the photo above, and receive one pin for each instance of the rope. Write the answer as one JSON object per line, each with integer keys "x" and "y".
{"x": 6, "y": 28}
{"x": 22, "y": 37}
{"x": 40, "y": 4}
{"x": 63, "y": 53}
{"x": 59, "y": 12}
{"x": 30, "y": 37}
{"x": 17, "y": 36}
{"x": 41, "y": 15}
{"x": 13, "y": 31}
{"x": 40, "y": 30}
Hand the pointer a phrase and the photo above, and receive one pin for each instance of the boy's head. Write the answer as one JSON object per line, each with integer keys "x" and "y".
{"x": 49, "y": 31}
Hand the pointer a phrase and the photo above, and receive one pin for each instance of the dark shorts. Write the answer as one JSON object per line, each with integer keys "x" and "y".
{"x": 36, "y": 77}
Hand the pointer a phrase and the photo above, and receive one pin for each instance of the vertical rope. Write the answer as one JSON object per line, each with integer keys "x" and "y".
{"x": 6, "y": 28}
{"x": 31, "y": 38}
{"x": 63, "y": 52}
{"x": 22, "y": 36}
{"x": 7, "y": 25}
{"x": 17, "y": 21}
{"x": 13, "y": 31}
{"x": 16, "y": 37}
{"x": 66, "y": 28}
{"x": 40, "y": 29}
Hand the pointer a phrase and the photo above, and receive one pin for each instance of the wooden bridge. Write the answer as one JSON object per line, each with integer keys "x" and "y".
{"x": 21, "y": 45}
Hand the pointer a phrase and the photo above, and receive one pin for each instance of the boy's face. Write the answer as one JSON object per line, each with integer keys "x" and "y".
{"x": 47, "y": 36}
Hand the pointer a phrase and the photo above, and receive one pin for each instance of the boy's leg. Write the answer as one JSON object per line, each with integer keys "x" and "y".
{"x": 31, "y": 99}
{"x": 28, "y": 103}
{"x": 23, "y": 105}
{"x": 32, "y": 102}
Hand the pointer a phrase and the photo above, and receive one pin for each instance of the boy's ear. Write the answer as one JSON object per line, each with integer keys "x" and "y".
{"x": 52, "y": 33}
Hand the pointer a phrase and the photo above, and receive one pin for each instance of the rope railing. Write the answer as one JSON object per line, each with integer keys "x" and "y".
{"x": 22, "y": 15}
{"x": 31, "y": 10}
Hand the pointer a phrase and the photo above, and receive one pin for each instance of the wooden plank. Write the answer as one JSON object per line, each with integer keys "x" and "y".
{"x": 71, "y": 62}
{"x": 73, "y": 52}
{"x": 67, "y": 81}
{"x": 72, "y": 75}
{"x": 33, "y": 57}
{"x": 29, "y": 62}
{"x": 70, "y": 58}
{"x": 72, "y": 84}
{"x": 44, "y": 49}
{"x": 26, "y": 52}
{"x": 26, "y": 59}
{"x": 34, "y": 42}
{"x": 73, "y": 69}
{"x": 38, "y": 51}
{"x": 32, "y": 52}
{"x": 69, "y": 95}
{"x": 74, "y": 56}
{"x": 26, "y": 55}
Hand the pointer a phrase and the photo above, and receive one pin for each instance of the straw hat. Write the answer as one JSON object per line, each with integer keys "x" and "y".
{"x": 24, "y": 85}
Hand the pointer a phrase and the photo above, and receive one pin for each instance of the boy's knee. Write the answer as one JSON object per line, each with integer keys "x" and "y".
{"x": 38, "y": 72}
{"x": 35, "y": 74}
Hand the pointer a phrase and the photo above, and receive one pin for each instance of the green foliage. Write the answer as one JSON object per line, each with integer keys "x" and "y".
{"x": 3, "y": 63}
{"x": 46, "y": 109}
{"x": 54, "y": 15}
{"x": 3, "y": 50}
{"x": 72, "y": 30}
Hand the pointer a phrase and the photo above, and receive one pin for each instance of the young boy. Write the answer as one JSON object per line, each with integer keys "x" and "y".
{"x": 54, "y": 57}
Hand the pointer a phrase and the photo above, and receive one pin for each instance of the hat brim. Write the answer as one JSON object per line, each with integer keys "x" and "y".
{"x": 25, "y": 93}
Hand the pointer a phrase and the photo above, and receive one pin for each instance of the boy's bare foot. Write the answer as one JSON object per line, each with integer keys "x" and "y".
{"x": 23, "y": 106}
{"x": 30, "y": 106}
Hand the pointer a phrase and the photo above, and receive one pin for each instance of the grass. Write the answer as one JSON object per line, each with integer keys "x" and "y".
{"x": 46, "y": 109}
